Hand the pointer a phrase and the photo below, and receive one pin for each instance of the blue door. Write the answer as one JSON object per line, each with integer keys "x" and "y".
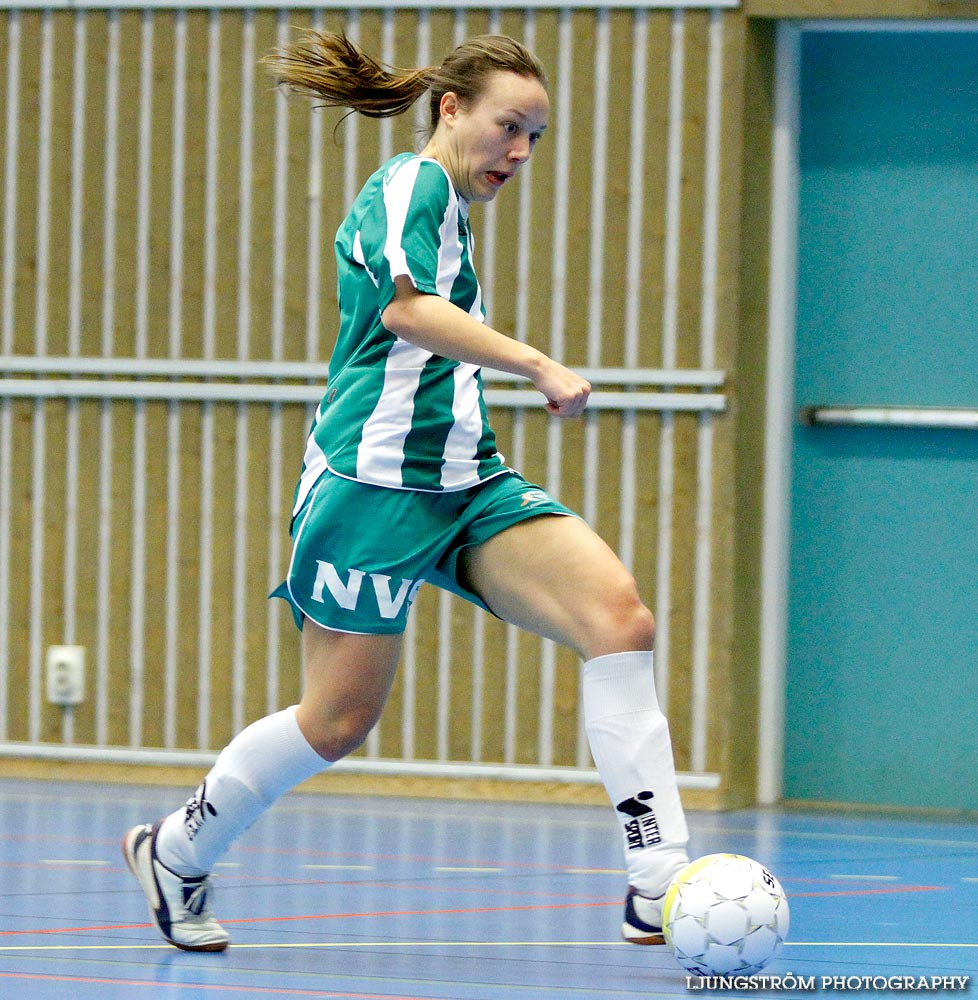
{"x": 882, "y": 666}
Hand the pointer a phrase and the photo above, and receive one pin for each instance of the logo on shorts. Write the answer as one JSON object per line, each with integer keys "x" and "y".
{"x": 643, "y": 828}
{"x": 347, "y": 595}
{"x": 534, "y": 498}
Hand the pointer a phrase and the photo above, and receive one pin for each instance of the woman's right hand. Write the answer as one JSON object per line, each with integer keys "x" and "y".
{"x": 567, "y": 393}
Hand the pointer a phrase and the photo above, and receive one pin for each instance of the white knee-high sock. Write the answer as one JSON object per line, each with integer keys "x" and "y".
{"x": 630, "y": 744}
{"x": 261, "y": 763}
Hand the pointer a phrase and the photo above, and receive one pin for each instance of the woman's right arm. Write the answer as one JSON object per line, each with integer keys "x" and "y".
{"x": 439, "y": 326}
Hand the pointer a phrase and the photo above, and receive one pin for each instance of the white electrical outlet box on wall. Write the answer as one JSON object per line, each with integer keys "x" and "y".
{"x": 66, "y": 675}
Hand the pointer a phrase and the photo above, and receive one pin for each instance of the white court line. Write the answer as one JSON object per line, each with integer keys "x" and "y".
{"x": 72, "y": 861}
{"x": 879, "y": 944}
{"x": 444, "y": 868}
{"x": 340, "y": 868}
{"x": 461, "y": 944}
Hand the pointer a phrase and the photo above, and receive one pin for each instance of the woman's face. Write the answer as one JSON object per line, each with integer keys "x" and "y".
{"x": 482, "y": 146}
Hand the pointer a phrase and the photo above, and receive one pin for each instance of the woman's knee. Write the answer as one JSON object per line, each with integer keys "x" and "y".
{"x": 334, "y": 735}
{"x": 621, "y": 622}
{"x": 347, "y": 680}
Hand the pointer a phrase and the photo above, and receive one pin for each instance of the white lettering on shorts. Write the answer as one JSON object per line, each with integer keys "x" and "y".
{"x": 347, "y": 595}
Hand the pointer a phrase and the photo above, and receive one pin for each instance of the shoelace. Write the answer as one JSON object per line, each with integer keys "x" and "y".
{"x": 195, "y": 896}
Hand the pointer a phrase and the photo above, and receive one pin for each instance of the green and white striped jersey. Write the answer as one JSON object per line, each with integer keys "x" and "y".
{"x": 394, "y": 414}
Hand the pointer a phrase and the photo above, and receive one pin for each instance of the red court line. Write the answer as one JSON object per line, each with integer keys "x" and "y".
{"x": 332, "y": 916}
{"x": 888, "y": 890}
{"x": 267, "y": 990}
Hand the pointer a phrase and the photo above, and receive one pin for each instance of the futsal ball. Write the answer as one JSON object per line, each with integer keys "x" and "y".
{"x": 725, "y": 914}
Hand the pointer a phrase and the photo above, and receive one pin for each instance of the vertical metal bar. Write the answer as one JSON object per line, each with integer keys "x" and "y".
{"x": 245, "y": 169}
{"x": 280, "y": 184}
{"x": 521, "y": 332}
{"x": 137, "y": 599}
{"x": 207, "y": 409}
{"x": 599, "y": 167}
{"x": 211, "y": 178}
{"x": 204, "y": 639}
{"x": 385, "y": 147}
{"x": 487, "y": 233}
{"x": 314, "y": 203}
{"x": 280, "y": 250}
{"x": 385, "y": 152}
{"x": 409, "y": 675}
{"x": 558, "y": 303}
{"x": 273, "y": 608}
{"x": 177, "y": 208}
{"x": 144, "y": 183}
{"x": 478, "y": 681}
{"x": 595, "y": 321}
{"x": 11, "y": 159}
{"x": 524, "y": 232}
{"x": 110, "y": 181}
{"x": 43, "y": 220}
{"x": 245, "y": 198}
{"x": 177, "y": 190}
{"x": 42, "y": 278}
{"x": 595, "y": 337}
{"x": 409, "y": 659}
{"x": 634, "y": 237}
{"x": 669, "y": 341}
{"x": 6, "y": 434}
{"x": 423, "y": 59}
{"x": 74, "y": 348}
{"x": 548, "y": 651}
{"x": 782, "y": 310}
{"x": 36, "y": 632}
{"x": 443, "y": 713}
{"x": 510, "y": 716}
{"x": 487, "y": 280}
{"x": 704, "y": 451}
{"x": 77, "y": 183}
{"x": 351, "y": 131}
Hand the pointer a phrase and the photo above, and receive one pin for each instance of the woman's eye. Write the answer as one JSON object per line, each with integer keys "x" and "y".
{"x": 510, "y": 128}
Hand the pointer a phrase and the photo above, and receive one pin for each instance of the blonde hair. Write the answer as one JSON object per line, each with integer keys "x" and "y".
{"x": 331, "y": 69}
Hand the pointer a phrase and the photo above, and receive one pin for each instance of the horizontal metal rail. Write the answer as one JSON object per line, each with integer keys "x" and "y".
{"x": 349, "y": 765}
{"x": 262, "y": 382}
{"x": 28, "y": 364}
{"x": 252, "y": 392}
{"x": 928, "y": 417}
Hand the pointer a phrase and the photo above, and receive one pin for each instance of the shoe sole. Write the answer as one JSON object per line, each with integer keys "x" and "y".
{"x": 634, "y": 936}
{"x": 152, "y": 891}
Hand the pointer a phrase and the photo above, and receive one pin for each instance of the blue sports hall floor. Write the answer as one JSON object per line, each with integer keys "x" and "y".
{"x": 405, "y": 898}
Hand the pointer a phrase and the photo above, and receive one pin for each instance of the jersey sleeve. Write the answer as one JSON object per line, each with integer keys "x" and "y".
{"x": 414, "y": 205}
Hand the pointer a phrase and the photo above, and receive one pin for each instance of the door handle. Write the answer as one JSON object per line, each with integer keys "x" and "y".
{"x": 959, "y": 418}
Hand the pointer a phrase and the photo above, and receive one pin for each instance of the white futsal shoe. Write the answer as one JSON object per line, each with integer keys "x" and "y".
{"x": 643, "y": 918}
{"x": 178, "y": 905}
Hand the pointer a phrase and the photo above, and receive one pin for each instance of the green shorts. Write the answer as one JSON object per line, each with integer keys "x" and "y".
{"x": 360, "y": 553}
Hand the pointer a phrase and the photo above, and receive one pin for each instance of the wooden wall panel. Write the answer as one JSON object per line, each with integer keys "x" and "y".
{"x": 145, "y": 290}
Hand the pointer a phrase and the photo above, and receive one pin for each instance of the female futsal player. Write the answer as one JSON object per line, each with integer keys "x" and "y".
{"x": 401, "y": 483}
